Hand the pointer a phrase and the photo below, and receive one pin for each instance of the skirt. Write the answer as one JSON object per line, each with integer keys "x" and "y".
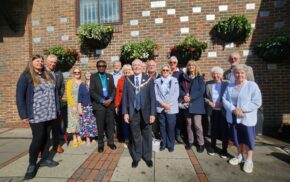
{"x": 88, "y": 126}
{"x": 242, "y": 134}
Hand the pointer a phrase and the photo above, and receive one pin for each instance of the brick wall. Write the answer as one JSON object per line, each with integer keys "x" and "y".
{"x": 54, "y": 23}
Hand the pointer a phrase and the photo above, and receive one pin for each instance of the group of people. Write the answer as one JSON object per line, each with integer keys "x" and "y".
{"x": 144, "y": 104}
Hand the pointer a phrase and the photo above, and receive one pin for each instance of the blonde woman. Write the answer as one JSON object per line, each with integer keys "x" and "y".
{"x": 192, "y": 88}
{"x": 37, "y": 104}
{"x": 126, "y": 71}
{"x": 72, "y": 89}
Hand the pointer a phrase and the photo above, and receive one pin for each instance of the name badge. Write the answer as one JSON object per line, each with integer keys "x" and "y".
{"x": 104, "y": 89}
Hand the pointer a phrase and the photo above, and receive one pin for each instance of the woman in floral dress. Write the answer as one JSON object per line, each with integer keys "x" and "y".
{"x": 88, "y": 126}
{"x": 72, "y": 89}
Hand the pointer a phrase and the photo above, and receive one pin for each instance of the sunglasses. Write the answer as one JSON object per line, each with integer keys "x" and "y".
{"x": 77, "y": 72}
{"x": 166, "y": 70}
{"x": 101, "y": 66}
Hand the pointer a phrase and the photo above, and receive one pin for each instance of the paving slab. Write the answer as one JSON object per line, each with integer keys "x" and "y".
{"x": 270, "y": 164}
{"x": 69, "y": 162}
{"x": 15, "y": 146}
{"x": 124, "y": 171}
{"x": 173, "y": 170}
{"x": 167, "y": 167}
{"x": 2, "y": 130}
{"x": 17, "y": 133}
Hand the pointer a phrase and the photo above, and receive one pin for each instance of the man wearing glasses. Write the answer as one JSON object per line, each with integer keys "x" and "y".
{"x": 235, "y": 59}
{"x": 102, "y": 91}
{"x": 180, "y": 124}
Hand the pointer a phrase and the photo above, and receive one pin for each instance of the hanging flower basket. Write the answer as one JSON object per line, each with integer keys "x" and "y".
{"x": 187, "y": 49}
{"x": 66, "y": 58}
{"x": 143, "y": 50}
{"x": 274, "y": 50}
{"x": 235, "y": 29}
{"x": 95, "y": 36}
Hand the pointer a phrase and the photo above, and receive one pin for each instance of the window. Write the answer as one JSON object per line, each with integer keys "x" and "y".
{"x": 100, "y": 11}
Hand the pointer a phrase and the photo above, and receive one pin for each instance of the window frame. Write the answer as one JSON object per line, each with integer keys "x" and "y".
{"x": 77, "y": 14}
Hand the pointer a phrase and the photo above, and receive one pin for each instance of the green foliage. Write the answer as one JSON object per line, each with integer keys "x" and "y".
{"x": 274, "y": 49}
{"x": 143, "y": 50}
{"x": 187, "y": 49}
{"x": 66, "y": 57}
{"x": 95, "y": 36}
{"x": 235, "y": 29}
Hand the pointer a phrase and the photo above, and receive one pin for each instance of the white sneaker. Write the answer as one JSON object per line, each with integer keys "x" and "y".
{"x": 248, "y": 167}
{"x": 235, "y": 161}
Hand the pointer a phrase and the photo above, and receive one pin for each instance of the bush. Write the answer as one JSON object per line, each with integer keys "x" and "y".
{"x": 95, "y": 36}
{"x": 187, "y": 49}
{"x": 274, "y": 49}
{"x": 235, "y": 29}
{"x": 66, "y": 57}
{"x": 143, "y": 50}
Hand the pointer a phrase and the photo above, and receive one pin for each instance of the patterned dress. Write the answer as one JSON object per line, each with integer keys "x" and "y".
{"x": 72, "y": 90}
{"x": 88, "y": 126}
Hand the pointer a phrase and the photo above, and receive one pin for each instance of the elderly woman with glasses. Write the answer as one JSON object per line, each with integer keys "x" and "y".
{"x": 215, "y": 89}
{"x": 241, "y": 101}
{"x": 72, "y": 90}
{"x": 167, "y": 93}
{"x": 192, "y": 88}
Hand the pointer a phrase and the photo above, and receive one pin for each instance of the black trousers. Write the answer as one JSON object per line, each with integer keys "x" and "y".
{"x": 140, "y": 145}
{"x": 219, "y": 125}
{"x": 40, "y": 141}
{"x": 55, "y": 131}
{"x": 105, "y": 119}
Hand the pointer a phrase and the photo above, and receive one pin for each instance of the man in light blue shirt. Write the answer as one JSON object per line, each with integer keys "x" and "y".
{"x": 117, "y": 72}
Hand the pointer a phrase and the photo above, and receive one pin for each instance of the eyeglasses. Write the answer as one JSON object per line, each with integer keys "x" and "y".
{"x": 234, "y": 58}
{"x": 101, "y": 66}
{"x": 172, "y": 62}
{"x": 166, "y": 70}
{"x": 77, "y": 72}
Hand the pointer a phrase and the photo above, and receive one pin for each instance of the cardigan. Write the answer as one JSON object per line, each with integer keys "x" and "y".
{"x": 171, "y": 98}
{"x": 119, "y": 91}
{"x": 24, "y": 96}
{"x": 84, "y": 95}
{"x": 249, "y": 100}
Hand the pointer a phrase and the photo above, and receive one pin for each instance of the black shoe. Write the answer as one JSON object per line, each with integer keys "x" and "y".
{"x": 188, "y": 146}
{"x": 48, "y": 163}
{"x": 135, "y": 164}
{"x": 224, "y": 155}
{"x": 100, "y": 149}
{"x": 211, "y": 151}
{"x": 162, "y": 148}
{"x": 112, "y": 146}
{"x": 200, "y": 148}
{"x": 149, "y": 163}
{"x": 170, "y": 150}
{"x": 30, "y": 172}
{"x": 179, "y": 140}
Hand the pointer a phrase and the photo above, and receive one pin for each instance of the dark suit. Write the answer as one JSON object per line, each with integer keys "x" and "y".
{"x": 104, "y": 115}
{"x": 141, "y": 139}
{"x": 56, "y": 124}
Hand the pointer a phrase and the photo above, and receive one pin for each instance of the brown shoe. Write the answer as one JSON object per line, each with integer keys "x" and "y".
{"x": 59, "y": 149}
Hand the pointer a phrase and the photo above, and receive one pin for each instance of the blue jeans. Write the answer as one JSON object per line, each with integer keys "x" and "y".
{"x": 167, "y": 129}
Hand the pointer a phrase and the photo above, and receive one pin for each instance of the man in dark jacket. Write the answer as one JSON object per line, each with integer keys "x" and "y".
{"x": 102, "y": 91}
{"x": 60, "y": 87}
{"x": 139, "y": 109}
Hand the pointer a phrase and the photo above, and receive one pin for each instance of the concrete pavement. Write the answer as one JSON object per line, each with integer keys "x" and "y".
{"x": 271, "y": 161}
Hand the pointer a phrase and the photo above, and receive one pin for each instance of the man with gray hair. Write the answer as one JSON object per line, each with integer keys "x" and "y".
{"x": 139, "y": 109}
{"x": 117, "y": 74}
{"x": 235, "y": 59}
{"x": 57, "y": 76}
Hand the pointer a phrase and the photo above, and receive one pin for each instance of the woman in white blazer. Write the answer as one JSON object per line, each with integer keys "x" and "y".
{"x": 167, "y": 93}
{"x": 241, "y": 101}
